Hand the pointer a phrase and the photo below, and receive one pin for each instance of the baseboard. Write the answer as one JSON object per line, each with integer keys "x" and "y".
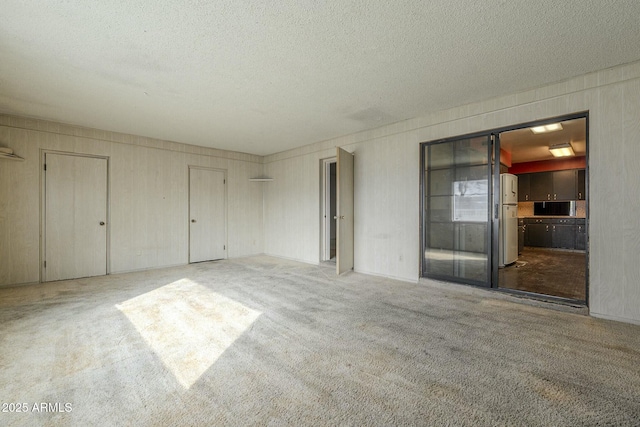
{"x": 137, "y": 270}
{"x": 386, "y": 276}
{"x": 293, "y": 259}
{"x": 18, "y": 285}
{"x": 615, "y": 318}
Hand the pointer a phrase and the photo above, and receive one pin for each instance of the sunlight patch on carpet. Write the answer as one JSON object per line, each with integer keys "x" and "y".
{"x": 188, "y": 326}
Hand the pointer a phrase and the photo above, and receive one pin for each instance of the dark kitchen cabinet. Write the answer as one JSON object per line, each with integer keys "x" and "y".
{"x": 526, "y": 222}
{"x": 581, "y": 235}
{"x": 539, "y": 235}
{"x": 564, "y": 185}
{"x": 558, "y": 233}
{"x": 581, "y": 186}
{"x": 522, "y": 232}
{"x": 524, "y": 187}
{"x": 541, "y": 186}
{"x": 563, "y": 236}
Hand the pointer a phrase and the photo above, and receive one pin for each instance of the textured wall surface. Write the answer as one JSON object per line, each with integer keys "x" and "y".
{"x": 387, "y": 191}
{"x": 149, "y": 200}
{"x": 148, "y": 196}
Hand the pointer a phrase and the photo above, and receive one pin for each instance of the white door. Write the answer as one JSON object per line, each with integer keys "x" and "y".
{"x": 207, "y": 215}
{"x": 344, "y": 214}
{"x": 75, "y": 217}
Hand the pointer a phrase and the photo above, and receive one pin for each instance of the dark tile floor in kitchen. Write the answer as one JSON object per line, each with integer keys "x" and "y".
{"x": 547, "y": 271}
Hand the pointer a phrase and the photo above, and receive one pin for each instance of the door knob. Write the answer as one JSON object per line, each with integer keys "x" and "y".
{"x": 335, "y": 217}
{"x": 193, "y": 220}
{"x": 101, "y": 222}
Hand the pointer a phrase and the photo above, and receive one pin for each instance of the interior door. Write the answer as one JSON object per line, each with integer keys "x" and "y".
{"x": 207, "y": 215}
{"x": 344, "y": 212}
{"x": 75, "y": 217}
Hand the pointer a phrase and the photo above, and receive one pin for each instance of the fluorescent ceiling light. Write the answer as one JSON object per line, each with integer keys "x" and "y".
{"x": 562, "y": 150}
{"x": 547, "y": 128}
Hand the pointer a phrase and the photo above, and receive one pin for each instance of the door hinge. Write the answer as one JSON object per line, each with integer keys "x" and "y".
{"x": 45, "y": 264}
{"x": 224, "y": 181}
{"x": 45, "y": 166}
{"x": 224, "y": 247}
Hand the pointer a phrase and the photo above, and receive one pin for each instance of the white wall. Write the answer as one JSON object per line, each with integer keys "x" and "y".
{"x": 387, "y": 184}
{"x": 148, "y": 196}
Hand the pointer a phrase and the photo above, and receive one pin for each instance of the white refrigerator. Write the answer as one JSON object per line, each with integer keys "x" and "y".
{"x": 508, "y": 251}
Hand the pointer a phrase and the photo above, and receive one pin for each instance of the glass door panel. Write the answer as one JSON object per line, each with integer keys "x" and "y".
{"x": 457, "y": 190}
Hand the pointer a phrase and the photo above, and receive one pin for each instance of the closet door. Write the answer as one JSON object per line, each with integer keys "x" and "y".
{"x": 75, "y": 217}
{"x": 207, "y": 211}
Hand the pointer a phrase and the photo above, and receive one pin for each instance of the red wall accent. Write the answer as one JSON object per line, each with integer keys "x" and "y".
{"x": 549, "y": 165}
{"x": 505, "y": 158}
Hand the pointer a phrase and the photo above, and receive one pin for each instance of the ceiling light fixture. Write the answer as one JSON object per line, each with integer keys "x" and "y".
{"x": 547, "y": 128}
{"x": 562, "y": 150}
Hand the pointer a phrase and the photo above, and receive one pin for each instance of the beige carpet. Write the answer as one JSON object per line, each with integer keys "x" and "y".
{"x": 261, "y": 341}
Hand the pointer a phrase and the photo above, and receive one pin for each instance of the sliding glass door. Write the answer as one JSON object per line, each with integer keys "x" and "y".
{"x": 456, "y": 217}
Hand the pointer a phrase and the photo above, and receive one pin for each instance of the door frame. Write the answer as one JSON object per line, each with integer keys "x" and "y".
{"x": 43, "y": 207}
{"x": 325, "y": 230}
{"x": 494, "y": 240}
{"x": 226, "y": 208}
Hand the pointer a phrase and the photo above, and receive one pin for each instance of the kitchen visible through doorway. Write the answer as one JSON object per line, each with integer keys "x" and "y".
{"x": 552, "y": 200}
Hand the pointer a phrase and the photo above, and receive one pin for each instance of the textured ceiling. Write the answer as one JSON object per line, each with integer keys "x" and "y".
{"x": 262, "y": 77}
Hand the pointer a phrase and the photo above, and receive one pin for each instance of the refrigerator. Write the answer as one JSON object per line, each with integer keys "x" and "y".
{"x": 508, "y": 219}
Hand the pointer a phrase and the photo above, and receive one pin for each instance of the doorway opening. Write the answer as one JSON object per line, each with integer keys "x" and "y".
{"x": 550, "y": 250}
{"x": 329, "y": 210}
{"x": 499, "y": 210}
{"x": 337, "y": 210}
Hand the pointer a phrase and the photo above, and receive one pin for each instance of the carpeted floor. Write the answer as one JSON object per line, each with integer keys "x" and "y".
{"x": 262, "y": 341}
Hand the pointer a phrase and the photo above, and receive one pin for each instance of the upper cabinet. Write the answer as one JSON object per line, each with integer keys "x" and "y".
{"x": 581, "y": 185}
{"x": 524, "y": 187}
{"x": 541, "y": 186}
{"x": 564, "y": 185}
{"x": 561, "y": 185}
